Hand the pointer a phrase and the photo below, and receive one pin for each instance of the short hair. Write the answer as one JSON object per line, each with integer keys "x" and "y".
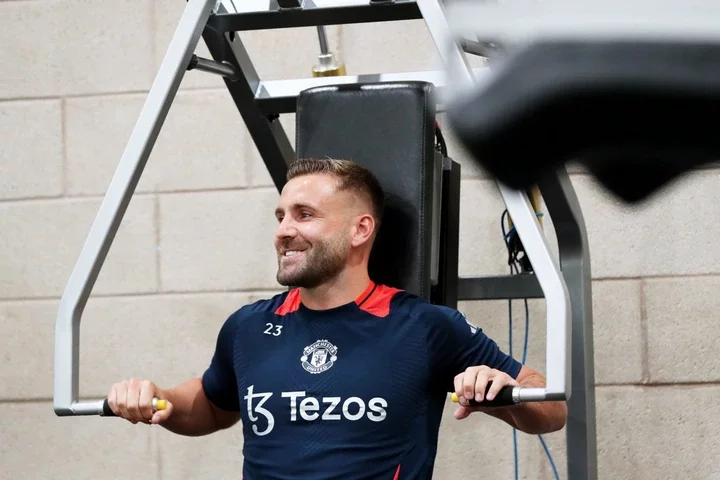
{"x": 350, "y": 175}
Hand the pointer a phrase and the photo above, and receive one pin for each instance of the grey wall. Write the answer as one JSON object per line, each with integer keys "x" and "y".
{"x": 196, "y": 244}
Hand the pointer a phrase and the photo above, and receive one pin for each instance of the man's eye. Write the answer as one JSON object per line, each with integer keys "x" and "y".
{"x": 304, "y": 214}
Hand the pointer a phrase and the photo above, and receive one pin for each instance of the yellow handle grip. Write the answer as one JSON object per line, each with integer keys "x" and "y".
{"x": 159, "y": 404}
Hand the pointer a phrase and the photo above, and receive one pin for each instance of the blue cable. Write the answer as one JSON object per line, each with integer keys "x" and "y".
{"x": 547, "y": 452}
{"x": 517, "y": 467}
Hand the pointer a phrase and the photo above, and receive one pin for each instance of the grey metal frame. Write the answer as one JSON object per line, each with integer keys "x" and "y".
{"x": 113, "y": 207}
{"x": 569, "y": 345}
{"x": 310, "y": 16}
{"x": 546, "y": 267}
{"x": 564, "y": 209}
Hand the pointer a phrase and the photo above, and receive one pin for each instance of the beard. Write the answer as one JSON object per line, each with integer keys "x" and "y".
{"x": 322, "y": 262}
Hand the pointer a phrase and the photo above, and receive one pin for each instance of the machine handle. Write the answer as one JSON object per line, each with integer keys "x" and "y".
{"x": 507, "y": 396}
{"x": 157, "y": 404}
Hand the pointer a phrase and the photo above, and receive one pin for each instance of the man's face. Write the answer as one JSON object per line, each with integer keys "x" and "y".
{"x": 313, "y": 235}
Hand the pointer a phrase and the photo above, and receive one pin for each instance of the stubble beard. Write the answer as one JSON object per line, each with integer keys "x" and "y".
{"x": 323, "y": 262}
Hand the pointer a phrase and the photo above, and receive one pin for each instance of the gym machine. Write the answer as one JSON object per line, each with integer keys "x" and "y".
{"x": 621, "y": 88}
{"x": 564, "y": 283}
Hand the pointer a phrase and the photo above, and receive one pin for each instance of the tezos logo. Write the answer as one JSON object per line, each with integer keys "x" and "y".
{"x": 319, "y": 356}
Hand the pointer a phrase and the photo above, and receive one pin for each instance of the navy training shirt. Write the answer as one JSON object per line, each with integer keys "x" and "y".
{"x": 353, "y": 392}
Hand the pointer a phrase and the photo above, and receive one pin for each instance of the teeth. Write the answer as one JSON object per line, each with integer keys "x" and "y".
{"x": 290, "y": 253}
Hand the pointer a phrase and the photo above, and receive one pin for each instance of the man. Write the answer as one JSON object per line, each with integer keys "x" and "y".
{"x": 338, "y": 377}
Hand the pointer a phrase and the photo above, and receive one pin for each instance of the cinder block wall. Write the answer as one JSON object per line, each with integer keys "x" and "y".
{"x": 196, "y": 243}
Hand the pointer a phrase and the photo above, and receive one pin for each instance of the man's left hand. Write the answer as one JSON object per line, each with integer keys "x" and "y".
{"x": 472, "y": 384}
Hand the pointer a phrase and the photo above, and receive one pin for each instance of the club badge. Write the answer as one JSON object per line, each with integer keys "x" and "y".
{"x": 319, "y": 356}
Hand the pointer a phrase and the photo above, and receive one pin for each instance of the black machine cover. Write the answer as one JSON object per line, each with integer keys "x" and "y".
{"x": 637, "y": 114}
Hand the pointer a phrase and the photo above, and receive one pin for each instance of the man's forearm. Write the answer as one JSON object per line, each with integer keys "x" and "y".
{"x": 538, "y": 417}
{"x": 534, "y": 417}
{"x": 192, "y": 413}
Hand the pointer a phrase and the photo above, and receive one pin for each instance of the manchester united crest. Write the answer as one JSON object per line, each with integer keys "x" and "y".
{"x": 319, "y": 356}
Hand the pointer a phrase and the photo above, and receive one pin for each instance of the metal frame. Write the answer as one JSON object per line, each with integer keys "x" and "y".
{"x": 500, "y": 287}
{"x": 564, "y": 209}
{"x": 113, "y": 207}
{"x": 230, "y": 20}
{"x": 446, "y": 290}
{"x": 557, "y": 298}
{"x": 278, "y": 96}
{"x": 261, "y": 102}
{"x": 546, "y": 267}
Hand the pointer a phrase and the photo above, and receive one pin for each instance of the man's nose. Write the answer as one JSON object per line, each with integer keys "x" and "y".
{"x": 285, "y": 229}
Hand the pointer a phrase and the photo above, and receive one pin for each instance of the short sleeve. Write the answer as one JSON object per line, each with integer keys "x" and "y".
{"x": 456, "y": 344}
{"x": 219, "y": 381}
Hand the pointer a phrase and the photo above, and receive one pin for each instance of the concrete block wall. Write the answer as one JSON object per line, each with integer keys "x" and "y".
{"x": 195, "y": 244}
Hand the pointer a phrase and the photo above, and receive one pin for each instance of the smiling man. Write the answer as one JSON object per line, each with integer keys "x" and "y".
{"x": 339, "y": 377}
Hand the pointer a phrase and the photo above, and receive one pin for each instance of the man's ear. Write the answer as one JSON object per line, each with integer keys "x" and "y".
{"x": 363, "y": 230}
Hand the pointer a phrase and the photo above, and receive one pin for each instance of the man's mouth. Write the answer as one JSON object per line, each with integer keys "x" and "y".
{"x": 291, "y": 253}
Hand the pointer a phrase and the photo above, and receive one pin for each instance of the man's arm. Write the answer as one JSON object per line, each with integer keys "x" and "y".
{"x": 188, "y": 412}
{"x": 537, "y": 417}
{"x": 197, "y": 407}
{"x": 194, "y": 414}
{"x": 531, "y": 417}
{"x": 466, "y": 359}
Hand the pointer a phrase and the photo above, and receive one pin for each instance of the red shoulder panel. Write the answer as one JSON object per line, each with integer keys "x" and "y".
{"x": 291, "y": 303}
{"x": 378, "y": 303}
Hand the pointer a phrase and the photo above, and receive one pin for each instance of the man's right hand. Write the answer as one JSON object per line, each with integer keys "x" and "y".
{"x": 132, "y": 400}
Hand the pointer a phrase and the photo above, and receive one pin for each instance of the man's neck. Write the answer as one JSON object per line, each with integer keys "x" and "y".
{"x": 343, "y": 289}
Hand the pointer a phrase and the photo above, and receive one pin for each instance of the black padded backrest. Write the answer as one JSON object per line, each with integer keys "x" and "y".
{"x": 389, "y": 128}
